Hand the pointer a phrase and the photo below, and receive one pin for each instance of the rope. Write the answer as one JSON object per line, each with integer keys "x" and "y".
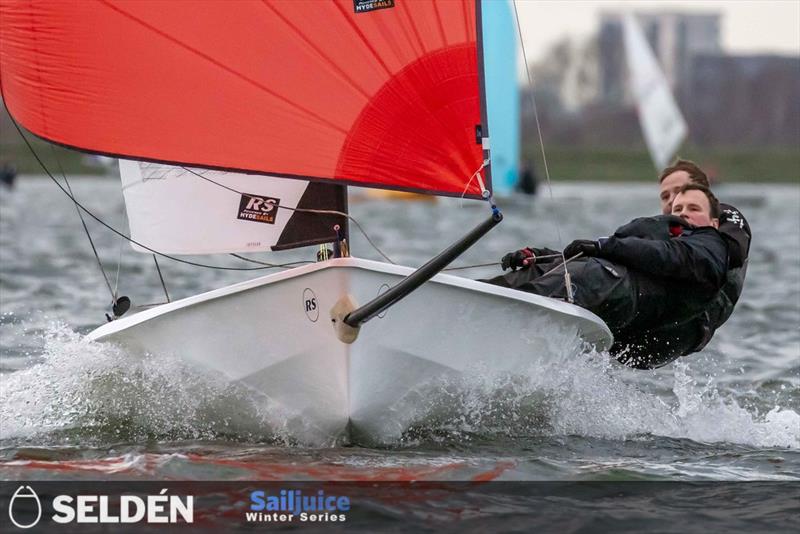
{"x": 474, "y": 174}
{"x": 567, "y": 278}
{"x": 264, "y": 265}
{"x": 302, "y": 210}
{"x": 130, "y": 239}
{"x": 564, "y": 264}
{"x": 494, "y": 263}
{"x": 541, "y": 144}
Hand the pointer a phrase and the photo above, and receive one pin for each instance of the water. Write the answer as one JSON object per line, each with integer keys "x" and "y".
{"x": 73, "y": 409}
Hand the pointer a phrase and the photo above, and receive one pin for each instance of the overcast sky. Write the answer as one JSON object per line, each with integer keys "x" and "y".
{"x": 747, "y": 27}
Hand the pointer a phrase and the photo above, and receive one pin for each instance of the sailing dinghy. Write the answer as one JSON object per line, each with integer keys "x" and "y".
{"x": 663, "y": 125}
{"x": 241, "y": 126}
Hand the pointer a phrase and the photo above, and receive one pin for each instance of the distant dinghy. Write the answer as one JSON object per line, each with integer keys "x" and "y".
{"x": 663, "y": 125}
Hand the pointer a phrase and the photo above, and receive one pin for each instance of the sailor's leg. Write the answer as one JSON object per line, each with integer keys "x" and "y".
{"x": 519, "y": 278}
{"x": 607, "y": 293}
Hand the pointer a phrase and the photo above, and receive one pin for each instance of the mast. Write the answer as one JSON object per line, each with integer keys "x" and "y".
{"x": 484, "y": 108}
{"x": 347, "y": 319}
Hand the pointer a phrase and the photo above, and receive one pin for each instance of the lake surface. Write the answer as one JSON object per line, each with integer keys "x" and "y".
{"x": 70, "y": 409}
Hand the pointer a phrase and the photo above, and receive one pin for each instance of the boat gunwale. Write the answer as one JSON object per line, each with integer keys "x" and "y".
{"x": 549, "y": 303}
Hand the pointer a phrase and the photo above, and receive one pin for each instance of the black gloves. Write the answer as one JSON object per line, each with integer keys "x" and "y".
{"x": 587, "y": 247}
{"x": 521, "y": 259}
{"x": 524, "y": 258}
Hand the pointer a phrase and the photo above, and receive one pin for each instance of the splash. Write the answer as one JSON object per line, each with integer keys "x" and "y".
{"x": 84, "y": 391}
{"x": 589, "y": 395}
{"x": 81, "y": 391}
{"x": 702, "y": 414}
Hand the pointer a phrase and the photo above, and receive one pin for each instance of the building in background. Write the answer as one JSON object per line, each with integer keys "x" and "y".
{"x": 675, "y": 37}
{"x": 727, "y": 100}
{"x": 744, "y": 100}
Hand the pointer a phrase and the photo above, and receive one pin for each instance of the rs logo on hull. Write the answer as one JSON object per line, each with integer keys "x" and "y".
{"x": 310, "y": 305}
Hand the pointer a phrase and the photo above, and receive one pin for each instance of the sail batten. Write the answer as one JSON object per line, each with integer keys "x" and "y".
{"x": 388, "y": 98}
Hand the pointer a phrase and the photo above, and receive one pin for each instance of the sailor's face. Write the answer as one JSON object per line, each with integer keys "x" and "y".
{"x": 670, "y": 187}
{"x": 693, "y": 206}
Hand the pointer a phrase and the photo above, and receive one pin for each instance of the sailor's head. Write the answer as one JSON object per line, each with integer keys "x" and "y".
{"x": 697, "y": 205}
{"x": 674, "y": 177}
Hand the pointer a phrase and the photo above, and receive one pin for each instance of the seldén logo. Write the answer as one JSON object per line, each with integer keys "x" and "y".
{"x": 258, "y": 208}
{"x": 123, "y": 509}
{"x": 24, "y": 497}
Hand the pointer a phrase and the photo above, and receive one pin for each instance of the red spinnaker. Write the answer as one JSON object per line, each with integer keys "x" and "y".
{"x": 386, "y": 98}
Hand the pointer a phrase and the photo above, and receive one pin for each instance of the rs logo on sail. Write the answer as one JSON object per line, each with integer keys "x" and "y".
{"x": 258, "y": 208}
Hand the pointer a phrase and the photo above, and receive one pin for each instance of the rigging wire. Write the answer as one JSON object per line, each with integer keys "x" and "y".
{"x": 85, "y": 228}
{"x": 130, "y": 239}
{"x": 161, "y": 277}
{"x": 264, "y": 265}
{"x": 567, "y": 280}
{"x": 351, "y": 218}
{"x": 119, "y": 267}
{"x": 302, "y": 210}
{"x": 250, "y": 260}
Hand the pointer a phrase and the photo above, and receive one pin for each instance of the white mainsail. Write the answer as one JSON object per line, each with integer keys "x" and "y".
{"x": 662, "y": 123}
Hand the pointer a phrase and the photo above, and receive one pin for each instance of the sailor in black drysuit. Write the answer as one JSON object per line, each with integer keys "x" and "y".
{"x": 661, "y": 345}
{"x": 653, "y": 272}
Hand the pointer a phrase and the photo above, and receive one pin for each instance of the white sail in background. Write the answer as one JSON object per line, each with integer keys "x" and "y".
{"x": 177, "y": 210}
{"x": 662, "y": 123}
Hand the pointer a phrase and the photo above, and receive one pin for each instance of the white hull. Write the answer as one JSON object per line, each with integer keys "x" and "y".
{"x": 266, "y": 334}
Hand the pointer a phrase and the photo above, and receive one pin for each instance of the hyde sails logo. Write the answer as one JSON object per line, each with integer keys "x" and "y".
{"x": 364, "y": 6}
{"x": 258, "y": 208}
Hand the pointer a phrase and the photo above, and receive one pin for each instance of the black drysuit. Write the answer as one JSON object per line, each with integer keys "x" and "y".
{"x": 665, "y": 343}
{"x": 653, "y": 271}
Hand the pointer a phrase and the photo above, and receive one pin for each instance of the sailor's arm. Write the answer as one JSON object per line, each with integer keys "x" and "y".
{"x": 699, "y": 258}
{"x": 736, "y": 231}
